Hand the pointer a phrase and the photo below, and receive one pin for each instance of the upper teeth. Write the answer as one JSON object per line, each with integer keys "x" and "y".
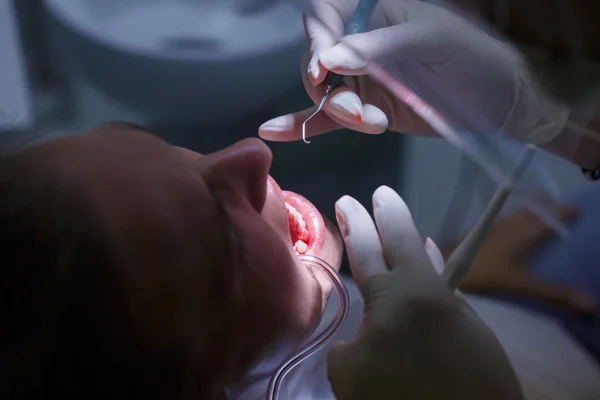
{"x": 298, "y": 220}
{"x": 300, "y": 246}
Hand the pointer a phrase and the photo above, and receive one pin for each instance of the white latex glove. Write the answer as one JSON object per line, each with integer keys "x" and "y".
{"x": 462, "y": 64}
{"x": 417, "y": 339}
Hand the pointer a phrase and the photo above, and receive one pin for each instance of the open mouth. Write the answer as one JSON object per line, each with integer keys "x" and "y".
{"x": 306, "y": 225}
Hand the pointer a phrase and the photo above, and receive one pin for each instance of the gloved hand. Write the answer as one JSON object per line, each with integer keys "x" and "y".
{"x": 417, "y": 340}
{"x": 427, "y": 45}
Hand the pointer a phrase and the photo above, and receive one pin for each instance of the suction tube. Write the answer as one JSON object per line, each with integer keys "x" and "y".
{"x": 322, "y": 339}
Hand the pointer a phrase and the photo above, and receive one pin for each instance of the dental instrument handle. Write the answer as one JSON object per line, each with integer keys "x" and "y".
{"x": 358, "y": 24}
{"x": 462, "y": 257}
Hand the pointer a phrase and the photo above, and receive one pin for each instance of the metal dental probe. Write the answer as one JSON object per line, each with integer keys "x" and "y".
{"x": 462, "y": 257}
{"x": 357, "y": 24}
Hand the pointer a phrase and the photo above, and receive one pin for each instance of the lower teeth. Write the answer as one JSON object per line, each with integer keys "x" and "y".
{"x": 300, "y": 247}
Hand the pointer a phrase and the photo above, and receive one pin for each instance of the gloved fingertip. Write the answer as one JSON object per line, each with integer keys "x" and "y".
{"x": 429, "y": 242}
{"x": 347, "y": 106}
{"x": 358, "y": 119}
{"x": 276, "y": 126}
{"x": 344, "y": 204}
{"x": 342, "y": 223}
{"x": 312, "y": 75}
{"x": 341, "y": 57}
{"x": 375, "y": 119}
{"x": 383, "y": 195}
{"x": 435, "y": 255}
{"x": 315, "y": 71}
{"x": 345, "y": 207}
{"x": 267, "y": 135}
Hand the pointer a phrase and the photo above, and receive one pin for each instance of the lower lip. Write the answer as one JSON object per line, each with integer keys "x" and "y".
{"x": 314, "y": 221}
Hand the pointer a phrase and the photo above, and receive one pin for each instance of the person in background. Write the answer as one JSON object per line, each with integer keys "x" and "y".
{"x": 521, "y": 261}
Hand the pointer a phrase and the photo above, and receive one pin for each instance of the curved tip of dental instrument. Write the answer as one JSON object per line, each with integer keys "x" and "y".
{"x": 304, "y": 132}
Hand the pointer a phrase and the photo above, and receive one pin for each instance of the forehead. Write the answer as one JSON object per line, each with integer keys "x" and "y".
{"x": 122, "y": 142}
{"x": 139, "y": 183}
{"x": 118, "y": 151}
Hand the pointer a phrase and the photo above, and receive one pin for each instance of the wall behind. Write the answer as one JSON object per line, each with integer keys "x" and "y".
{"x": 430, "y": 170}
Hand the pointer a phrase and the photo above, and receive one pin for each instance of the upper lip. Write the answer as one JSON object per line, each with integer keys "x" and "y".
{"x": 275, "y": 187}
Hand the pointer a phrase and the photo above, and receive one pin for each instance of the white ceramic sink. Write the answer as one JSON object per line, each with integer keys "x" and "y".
{"x": 204, "y": 60}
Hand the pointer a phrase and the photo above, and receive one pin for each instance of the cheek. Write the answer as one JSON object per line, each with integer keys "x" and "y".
{"x": 281, "y": 298}
{"x": 280, "y": 285}
{"x": 189, "y": 154}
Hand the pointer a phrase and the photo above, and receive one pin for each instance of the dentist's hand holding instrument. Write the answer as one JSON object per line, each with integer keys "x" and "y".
{"x": 487, "y": 76}
{"x": 357, "y": 24}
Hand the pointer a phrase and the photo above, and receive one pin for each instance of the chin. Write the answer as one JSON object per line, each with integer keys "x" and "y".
{"x": 295, "y": 307}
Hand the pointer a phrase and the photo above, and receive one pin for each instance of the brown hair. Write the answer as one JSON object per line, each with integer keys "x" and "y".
{"x": 65, "y": 329}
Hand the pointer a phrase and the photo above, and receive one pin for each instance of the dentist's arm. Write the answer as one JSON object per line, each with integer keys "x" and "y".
{"x": 558, "y": 28}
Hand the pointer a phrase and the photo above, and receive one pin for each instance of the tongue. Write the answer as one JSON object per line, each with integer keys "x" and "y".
{"x": 314, "y": 238}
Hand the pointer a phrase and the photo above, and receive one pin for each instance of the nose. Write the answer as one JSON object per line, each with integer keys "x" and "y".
{"x": 240, "y": 172}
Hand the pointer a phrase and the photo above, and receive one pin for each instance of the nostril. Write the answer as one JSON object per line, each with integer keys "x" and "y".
{"x": 241, "y": 169}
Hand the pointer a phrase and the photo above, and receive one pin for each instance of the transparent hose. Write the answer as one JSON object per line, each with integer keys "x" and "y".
{"x": 322, "y": 339}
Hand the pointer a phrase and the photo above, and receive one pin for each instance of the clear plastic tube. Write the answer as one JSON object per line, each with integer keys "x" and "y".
{"x": 322, "y": 339}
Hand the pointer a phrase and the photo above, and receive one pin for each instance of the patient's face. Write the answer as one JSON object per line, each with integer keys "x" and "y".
{"x": 209, "y": 251}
